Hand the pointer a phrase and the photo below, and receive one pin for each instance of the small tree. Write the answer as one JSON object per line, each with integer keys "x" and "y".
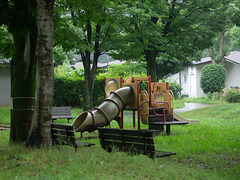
{"x": 213, "y": 78}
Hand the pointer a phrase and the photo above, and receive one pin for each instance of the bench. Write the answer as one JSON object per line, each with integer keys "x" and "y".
{"x": 158, "y": 125}
{"x": 64, "y": 135}
{"x": 61, "y": 113}
{"x": 135, "y": 142}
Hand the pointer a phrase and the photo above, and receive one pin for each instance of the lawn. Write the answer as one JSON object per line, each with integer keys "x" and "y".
{"x": 207, "y": 150}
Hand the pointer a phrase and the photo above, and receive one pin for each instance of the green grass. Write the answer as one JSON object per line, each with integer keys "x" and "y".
{"x": 207, "y": 150}
{"x": 205, "y": 99}
{"x": 4, "y": 115}
{"x": 178, "y": 103}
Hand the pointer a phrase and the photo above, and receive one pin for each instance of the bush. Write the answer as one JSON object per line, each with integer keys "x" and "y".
{"x": 232, "y": 95}
{"x": 213, "y": 78}
{"x": 69, "y": 91}
{"x": 175, "y": 88}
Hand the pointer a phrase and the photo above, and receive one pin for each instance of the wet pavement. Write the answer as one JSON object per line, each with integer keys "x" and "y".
{"x": 191, "y": 106}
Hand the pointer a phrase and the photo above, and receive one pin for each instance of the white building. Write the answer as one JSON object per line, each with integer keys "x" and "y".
{"x": 190, "y": 77}
{"x": 5, "y": 85}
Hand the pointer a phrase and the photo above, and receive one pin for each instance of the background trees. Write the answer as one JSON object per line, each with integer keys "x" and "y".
{"x": 84, "y": 27}
{"x": 171, "y": 30}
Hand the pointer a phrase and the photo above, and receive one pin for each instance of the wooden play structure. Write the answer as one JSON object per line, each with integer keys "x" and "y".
{"x": 153, "y": 102}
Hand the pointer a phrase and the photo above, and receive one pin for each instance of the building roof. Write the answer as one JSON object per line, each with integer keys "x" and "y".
{"x": 233, "y": 57}
{"x": 203, "y": 60}
{"x": 102, "y": 65}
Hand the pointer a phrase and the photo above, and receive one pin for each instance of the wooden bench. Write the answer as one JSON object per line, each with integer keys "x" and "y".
{"x": 156, "y": 125}
{"x": 135, "y": 142}
{"x": 61, "y": 113}
{"x": 64, "y": 135}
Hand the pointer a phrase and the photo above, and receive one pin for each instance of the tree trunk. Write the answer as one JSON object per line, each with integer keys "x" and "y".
{"x": 90, "y": 72}
{"x": 150, "y": 56}
{"x": 212, "y": 54}
{"x": 23, "y": 74}
{"x": 222, "y": 54}
{"x": 22, "y": 86}
{"x": 40, "y": 131}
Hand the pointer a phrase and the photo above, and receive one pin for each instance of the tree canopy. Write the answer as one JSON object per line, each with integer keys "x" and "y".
{"x": 171, "y": 30}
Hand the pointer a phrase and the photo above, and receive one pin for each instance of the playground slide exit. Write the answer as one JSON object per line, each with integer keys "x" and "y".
{"x": 107, "y": 111}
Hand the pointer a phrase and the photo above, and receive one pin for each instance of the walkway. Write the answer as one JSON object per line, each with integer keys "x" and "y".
{"x": 191, "y": 106}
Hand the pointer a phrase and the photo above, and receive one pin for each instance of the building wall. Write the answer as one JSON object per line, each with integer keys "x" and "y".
{"x": 199, "y": 90}
{"x": 5, "y": 87}
{"x": 184, "y": 81}
{"x": 233, "y": 74}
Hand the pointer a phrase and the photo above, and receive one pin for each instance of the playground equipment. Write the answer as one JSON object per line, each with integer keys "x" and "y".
{"x": 152, "y": 101}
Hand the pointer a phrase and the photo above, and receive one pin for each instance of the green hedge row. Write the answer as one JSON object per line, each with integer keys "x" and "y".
{"x": 69, "y": 91}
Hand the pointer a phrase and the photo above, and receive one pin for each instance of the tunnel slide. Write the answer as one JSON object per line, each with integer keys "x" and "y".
{"x": 107, "y": 111}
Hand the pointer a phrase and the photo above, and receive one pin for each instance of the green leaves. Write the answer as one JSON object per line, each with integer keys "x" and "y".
{"x": 213, "y": 78}
{"x": 5, "y": 43}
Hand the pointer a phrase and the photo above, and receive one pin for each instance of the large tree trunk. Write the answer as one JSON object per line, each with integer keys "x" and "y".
{"x": 40, "y": 132}
{"x": 23, "y": 79}
{"x": 150, "y": 56}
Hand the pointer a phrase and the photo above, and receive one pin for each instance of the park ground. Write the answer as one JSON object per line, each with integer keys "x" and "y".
{"x": 209, "y": 149}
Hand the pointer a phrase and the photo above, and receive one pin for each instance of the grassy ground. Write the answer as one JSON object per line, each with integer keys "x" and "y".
{"x": 4, "y": 115}
{"x": 208, "y": 150}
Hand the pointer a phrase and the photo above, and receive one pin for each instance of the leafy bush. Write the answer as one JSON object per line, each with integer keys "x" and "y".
{"x": 213, "y": 78}
{"x": 69, "y": 91}
{"x": 175, "y": 88}
{"x": 232, "y": 95}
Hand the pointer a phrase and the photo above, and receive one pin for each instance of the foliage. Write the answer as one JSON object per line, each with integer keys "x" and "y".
{"x": 175, "y": 88}
{"x": 61, "y": 70}
{"x": 127, "y": 69}
{"x": 213, "y": 78}
{"x": 60, "y": 56}
{"x": 69, "y": 91}
{"x": 224, "y": 42}
{"x": 84, "y": 27}
{"x": 232, "y": 95}
{"x": 5, "y": 43}
{"x": 170, "y": 30}
{"x": 235, "y": 37}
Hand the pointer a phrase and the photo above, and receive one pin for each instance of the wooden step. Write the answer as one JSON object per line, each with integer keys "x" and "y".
{"x": 157, "y": 110}
{"x": 155, "y": 118}
{"x": 169, "y": 123}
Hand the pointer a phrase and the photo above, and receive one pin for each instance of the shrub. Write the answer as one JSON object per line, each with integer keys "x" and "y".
{"x": 232, "y": 95}
{"x": 213, "y": 78}
{"x": 175, "y": 88}
{"x": 69, "y": 91}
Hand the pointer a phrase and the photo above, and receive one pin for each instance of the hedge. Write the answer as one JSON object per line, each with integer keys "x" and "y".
{"x": 69, "y": 91}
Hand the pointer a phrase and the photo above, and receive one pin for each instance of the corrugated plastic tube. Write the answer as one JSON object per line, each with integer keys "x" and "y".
{"x": 107, "y": 111}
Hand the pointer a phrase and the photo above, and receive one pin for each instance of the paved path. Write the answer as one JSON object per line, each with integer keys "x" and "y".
{"x": 191, "y": 106}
